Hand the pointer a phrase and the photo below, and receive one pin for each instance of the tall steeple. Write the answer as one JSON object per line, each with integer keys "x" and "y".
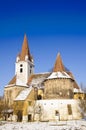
{"x": 58, "y": 66}
{"x": 24, "y": 66}
{"x": 25, "y": 50}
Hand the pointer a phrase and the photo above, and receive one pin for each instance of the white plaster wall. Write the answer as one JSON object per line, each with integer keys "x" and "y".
{"x": 25, "y": 118}
{"x": 48, "y": 108}
{"x": 22, "y": 78}
{"x": 14, "y": 118}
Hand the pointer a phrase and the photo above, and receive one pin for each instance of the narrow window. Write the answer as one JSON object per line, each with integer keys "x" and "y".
{"x": 21, "y": 70}
{"x": 69, "y": 109}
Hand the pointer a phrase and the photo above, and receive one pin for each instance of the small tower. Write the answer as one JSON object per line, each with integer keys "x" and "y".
{"x": 24, "y": 66}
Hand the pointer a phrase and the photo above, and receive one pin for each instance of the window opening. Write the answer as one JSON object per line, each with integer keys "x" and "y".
{"x": 21, "y": 65}
{"x": 69, "y": 109}
{"x": 21, "y": 70}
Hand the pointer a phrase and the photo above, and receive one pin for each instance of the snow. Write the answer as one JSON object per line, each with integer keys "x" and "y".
{"x": 76, "y": 90}
{"x": 62, "y": 125}
{"x": 39, "y": 78}
{"x": 59, "y": 75}
{"x": 23, "y": 95}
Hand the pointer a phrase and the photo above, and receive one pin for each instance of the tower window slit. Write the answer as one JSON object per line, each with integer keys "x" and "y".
{"x": 21, "y": 70}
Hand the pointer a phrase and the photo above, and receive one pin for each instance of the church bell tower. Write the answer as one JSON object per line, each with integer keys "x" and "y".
{"x": 24, "y": 65}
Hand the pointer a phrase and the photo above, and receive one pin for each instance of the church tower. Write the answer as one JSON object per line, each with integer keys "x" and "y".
{"x": 24, "y": 65}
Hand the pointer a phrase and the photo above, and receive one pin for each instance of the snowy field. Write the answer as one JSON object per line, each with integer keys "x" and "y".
{"x": 65, "y": 125}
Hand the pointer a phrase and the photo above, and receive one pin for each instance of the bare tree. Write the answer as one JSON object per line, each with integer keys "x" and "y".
{"x": 1, "y": 106}
{"x": 83, "y": 87}
{"x": 82, "y": 106}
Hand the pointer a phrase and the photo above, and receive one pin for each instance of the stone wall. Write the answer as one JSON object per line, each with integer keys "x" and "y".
{"x": 58, "y": 89}
{"x": 10, "y": 93}
{"x": 24, "y": 106}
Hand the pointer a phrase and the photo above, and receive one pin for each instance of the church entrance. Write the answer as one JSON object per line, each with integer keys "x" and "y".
{"x": 39, "y": 97}
{"x": 19, "y": 116}
{"x": 57, "y": 115}
{"x": 29, "y": 117}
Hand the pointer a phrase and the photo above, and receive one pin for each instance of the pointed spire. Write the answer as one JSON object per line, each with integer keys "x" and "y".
{"x": 58, "y": 64}
{"x": 25, "y": 50}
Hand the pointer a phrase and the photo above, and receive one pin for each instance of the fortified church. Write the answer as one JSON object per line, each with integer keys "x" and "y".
{"x": 49, "y": 96}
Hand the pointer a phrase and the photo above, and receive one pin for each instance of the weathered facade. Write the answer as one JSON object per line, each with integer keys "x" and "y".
{"x": 11, "y": 92}
{"x": 58, "y": 89}
{"x": 22, "y": 105}
{"x": 44, "y": 96}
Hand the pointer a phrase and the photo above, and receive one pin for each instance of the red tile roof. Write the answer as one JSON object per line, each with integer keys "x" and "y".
{"x": 13, "y": 81}
{"x": 38, "y": 77}
{"x": 58, "y": 64}
{"x": 60, "y": 67}
{"x": 25, "y": 50}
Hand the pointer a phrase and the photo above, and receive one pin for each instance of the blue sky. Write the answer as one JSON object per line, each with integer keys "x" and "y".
{"x": 51, "y": 26}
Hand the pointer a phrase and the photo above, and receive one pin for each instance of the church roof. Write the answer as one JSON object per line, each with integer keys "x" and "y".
{"x": 23, "y": 94}
{"x": 59, "y": 74}
{"x": 36, "y": 79}
{"x": 58, "y": 66}
{"x": 25, "y": 50}
{"x": 13, "y": 81}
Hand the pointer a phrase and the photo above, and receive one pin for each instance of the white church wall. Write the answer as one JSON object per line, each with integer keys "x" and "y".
{"x": 25, "y": 118}
{"x": 50, "y": 107}
{"x": 22, "y": 77}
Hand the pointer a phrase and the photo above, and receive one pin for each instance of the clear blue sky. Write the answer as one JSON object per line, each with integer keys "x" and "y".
{"x": 51, "y": 26}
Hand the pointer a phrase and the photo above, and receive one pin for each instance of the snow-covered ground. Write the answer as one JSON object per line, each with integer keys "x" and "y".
{"x": 65, "y": 125}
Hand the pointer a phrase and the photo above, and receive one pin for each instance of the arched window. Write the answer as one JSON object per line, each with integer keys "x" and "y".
{"x": 21, "y": 70}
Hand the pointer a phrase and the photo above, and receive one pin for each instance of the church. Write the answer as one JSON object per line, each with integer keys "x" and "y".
{"x": 48, "y": 96}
